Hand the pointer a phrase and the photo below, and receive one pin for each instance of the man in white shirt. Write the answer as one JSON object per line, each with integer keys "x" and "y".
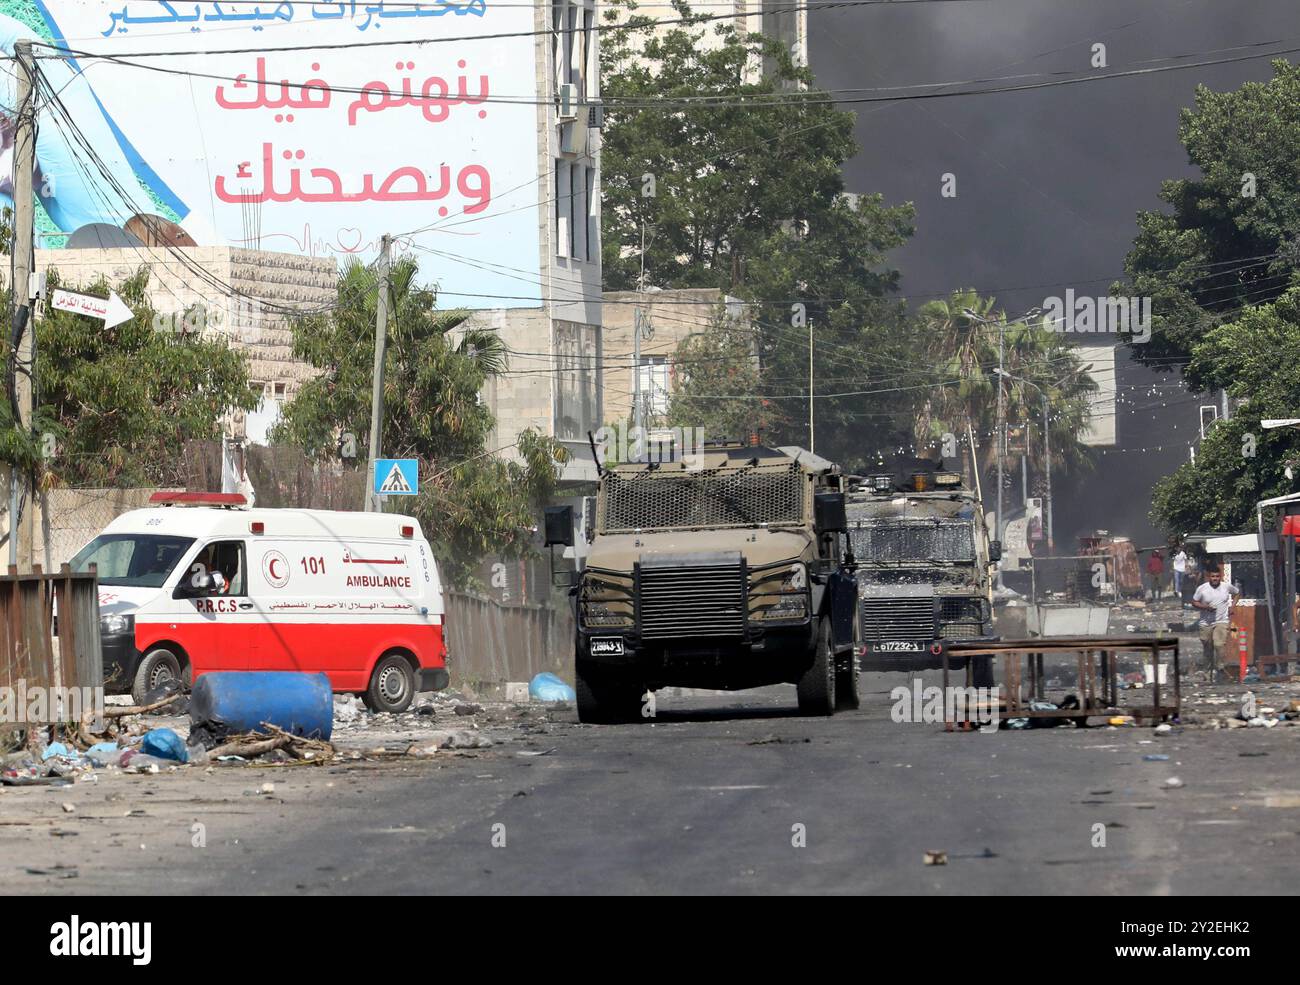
{"x": 1180, "y": 572}
{"x": 1214, "y": 600}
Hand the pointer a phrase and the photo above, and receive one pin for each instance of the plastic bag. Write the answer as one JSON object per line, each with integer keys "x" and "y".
{"x": 163, "y": 743}
{"x": 547, "y": 687}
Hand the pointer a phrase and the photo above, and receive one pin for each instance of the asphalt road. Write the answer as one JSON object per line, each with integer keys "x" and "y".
{"x": 729, "y": 794}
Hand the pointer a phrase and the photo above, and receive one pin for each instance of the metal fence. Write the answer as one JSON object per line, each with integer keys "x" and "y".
{"x": 30, "y": 657}
{"x": 490, "y": 642}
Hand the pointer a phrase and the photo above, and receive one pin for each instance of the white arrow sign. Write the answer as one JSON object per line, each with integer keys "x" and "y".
{"x": 112, "y": 309}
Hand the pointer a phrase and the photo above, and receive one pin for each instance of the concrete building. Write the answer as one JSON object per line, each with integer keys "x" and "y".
{"x": 553, "y": 382}
{"x": 776, "y": 20}
{"x": 186, "y": 302}
{"x": 667, "y": 318}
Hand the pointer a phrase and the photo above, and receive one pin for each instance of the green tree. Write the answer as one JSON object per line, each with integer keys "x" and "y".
{"x": 119, "y": 403}
{"x": 471, "y": 502}
{"x": 962, "y": 335}
{"x": 717, "y": 383}
{"x": 1229, "y": 240}
{"x": 1239, "y": 463}
{"x": 734, "y": 181}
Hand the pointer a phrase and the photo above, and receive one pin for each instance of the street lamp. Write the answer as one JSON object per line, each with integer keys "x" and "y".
{"x": 1002, "y": 427}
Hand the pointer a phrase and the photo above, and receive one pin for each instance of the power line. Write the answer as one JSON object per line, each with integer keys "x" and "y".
{"x": 638, "y": 23}
{"x": 724, "y": 101}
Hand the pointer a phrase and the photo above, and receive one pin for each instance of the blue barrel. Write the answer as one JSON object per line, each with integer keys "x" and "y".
{"x": 231, "y": 702}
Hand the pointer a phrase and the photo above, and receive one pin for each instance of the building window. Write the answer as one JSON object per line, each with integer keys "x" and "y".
{"x": 593, "y": 221}
{"x": 577, "y": 380}
{"x": 558, "y": 60}
{"x": 563, "y": 207}
{"x": 653, "y": 381}
{"x": 578, "y": 211}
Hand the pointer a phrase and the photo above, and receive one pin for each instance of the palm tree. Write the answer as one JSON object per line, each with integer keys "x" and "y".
{"x": 963, "y": 334}
{"x": 960, "y": 341}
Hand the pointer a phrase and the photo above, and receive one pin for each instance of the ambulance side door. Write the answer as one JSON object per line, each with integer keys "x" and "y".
{"x": 279, "y": 609}
{"x": 217, "y": 636}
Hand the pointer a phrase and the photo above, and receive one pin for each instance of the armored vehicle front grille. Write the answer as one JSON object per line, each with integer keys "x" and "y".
{"x": 688, "y": 602}
{"x": 732, "y": 497}
{"x": 897, "y": 619}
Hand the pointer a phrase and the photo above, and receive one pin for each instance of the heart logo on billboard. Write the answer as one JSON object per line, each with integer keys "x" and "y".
{"x": 347, "y": 232}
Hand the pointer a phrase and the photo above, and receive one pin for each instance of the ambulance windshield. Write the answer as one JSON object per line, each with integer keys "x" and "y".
{"x": 138, "y": 560}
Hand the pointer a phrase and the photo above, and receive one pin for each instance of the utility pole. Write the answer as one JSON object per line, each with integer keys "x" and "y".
{"x": 373, "y": 502}
{"x": 638, "y": 406}
{"x": 812, "y": 434}
{"x": 22, "y": 361}
{"x": 1002, "y": 440}
{"x": 1047, "y": 464}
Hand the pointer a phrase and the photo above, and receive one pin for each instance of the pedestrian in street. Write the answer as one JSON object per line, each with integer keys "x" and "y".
{"x": 1156, "y": 573}
{"x": 1214, "y": 600}
{"x": 1180, "y": 573}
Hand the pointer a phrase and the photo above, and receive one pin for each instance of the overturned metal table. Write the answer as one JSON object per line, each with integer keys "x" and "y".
{"x": 1096, "y": 663}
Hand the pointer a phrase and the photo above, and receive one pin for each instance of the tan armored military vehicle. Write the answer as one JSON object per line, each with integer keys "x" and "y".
{"x": 723, "y": 572}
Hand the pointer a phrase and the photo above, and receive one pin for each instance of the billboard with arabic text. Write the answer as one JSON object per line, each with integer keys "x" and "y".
{"x": 302, "y": 127}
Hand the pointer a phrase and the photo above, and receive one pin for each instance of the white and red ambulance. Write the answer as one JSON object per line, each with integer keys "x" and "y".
{"x": 200, "y": 582}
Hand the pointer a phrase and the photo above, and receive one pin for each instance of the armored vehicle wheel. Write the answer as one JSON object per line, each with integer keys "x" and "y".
{"x": 817, "y": 685}
{"x": 604, "y": 699}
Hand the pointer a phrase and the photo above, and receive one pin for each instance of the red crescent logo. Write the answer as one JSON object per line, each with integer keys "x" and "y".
{"x": 275, "y": 566}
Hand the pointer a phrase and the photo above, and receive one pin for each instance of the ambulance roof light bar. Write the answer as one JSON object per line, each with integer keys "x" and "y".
{"x": 228, "y": 500}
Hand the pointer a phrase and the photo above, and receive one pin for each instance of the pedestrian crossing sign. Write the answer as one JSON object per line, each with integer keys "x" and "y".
{"x": 396, "y": 477}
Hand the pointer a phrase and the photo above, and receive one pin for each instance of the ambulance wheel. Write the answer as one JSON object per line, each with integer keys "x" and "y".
{"x": 392, "y": 685}
{"x": 157, "y": 667}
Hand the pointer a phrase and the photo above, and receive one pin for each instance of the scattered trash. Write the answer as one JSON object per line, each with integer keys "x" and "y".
{"x": 1121, "y": 720}
{"x": 103, "y": 754}
{"x": 936, "y": 857}
{"x": 347, "y": 708}
{"x": 1156, "y": 757}
{"x": 468, "y": 709}
{"x": 240, "y": 748}
{"x": 1173, "y": 783}
{"x": 69, "y": 808}
{"x": 267, "y": 788}
{"x": 535, "y": 752}
{"x": 1045, "y": 722}
{"x": 164, "y": 744}
{"x": 547, "y": 687}
{"x": 457, "y": 739}
{"x": 1164, "y": 728}
{"x": 156, "y": 700}
{"x": 54, "y": 749}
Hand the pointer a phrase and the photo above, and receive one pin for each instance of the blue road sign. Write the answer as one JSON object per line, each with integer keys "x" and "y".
{"x": 396, "y": 477}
